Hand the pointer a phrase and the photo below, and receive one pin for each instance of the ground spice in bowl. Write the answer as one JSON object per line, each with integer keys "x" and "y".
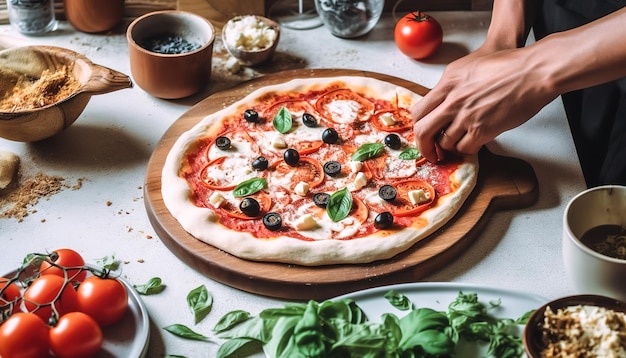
{"x": 51, "y": 87}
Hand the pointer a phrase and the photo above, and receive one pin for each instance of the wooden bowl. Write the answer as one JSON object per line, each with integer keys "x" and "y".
{"x": 533, "y": 332}
{"x": 31, "y": 125}
{"x": 245, "y": 56}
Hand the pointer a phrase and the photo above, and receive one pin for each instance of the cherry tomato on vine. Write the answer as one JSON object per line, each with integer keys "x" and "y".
{"x": 65, "y": 258}
{"x": 418, "y": 35}
{"x": 9, "y": 293}
{"x": 104, "y": 299}
{"x": 24, "y": 335}
{"x": 47, "y": 290}
{"x": 76, "y": 335}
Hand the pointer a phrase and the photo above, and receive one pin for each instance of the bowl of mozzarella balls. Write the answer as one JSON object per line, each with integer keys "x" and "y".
{"x": 251, "y": 39}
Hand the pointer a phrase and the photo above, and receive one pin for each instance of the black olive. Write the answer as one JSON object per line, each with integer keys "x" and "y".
{"x": 272, "y": 221}
{"x": 383, "y": 220}
{"x": 387, "y": 192}
{"x": 309, "y": 120}
{"x": 332, "y": 168}
{"x": 250, "y": 207}
{"x": 321, "y": 199}
{"x": 260, "y": 163}
{"x": 250, "y": 115}
{"x": 291, "y": 157}
{"x": 222, "y": 143}
{"x": 330, "y": 136}
{"x": 393, "y": 141}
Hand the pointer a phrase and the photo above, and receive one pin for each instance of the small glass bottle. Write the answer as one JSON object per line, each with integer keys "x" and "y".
{"x": 32, "y": 17}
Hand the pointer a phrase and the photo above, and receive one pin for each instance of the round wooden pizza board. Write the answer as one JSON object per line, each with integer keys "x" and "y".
{"x": 503, "y": 183}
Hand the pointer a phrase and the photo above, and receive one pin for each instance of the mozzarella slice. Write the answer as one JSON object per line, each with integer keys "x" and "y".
{"x": 387, "y": 119}
{"x": 418, "y": 196}
{"x": 306, "y": 222}
{"x": 216, "y": 199}
{"x": 301, "y": 188}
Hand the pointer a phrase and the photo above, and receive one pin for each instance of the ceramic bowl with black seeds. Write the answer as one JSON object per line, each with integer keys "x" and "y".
{"x": 171, "y": 53}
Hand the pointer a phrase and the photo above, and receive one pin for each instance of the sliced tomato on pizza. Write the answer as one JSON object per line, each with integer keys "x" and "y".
{"x": 392, "y": 167}
{"x": 307, "y": 170}
{"x": 232, "y": 207}
{"x": 343, "y": 106}
{"x": 397, "y": 120}
{"x": 235, "y": 142}
{"x": 224, "y": 173}
{"x": 413, "y": 197}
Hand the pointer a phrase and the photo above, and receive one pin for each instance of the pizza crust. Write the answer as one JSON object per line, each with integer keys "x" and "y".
{"x": 202, "y": 223}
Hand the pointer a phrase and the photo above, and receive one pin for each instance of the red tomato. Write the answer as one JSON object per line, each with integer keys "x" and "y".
{"x": 47, "y": 290}
{"x": 104, "y": 299}
{"x": 24, "y": 335}
{"x": 66, "y": 258}
{"x": 418, "y": 35}
{"x": 9, "y": 293}
{"x": 76, "y": 335}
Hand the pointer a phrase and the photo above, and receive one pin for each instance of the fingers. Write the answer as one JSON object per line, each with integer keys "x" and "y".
{"x": 428, "y": 126}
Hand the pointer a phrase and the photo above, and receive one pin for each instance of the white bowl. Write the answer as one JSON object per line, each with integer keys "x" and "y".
{"x": 589, "y": 271}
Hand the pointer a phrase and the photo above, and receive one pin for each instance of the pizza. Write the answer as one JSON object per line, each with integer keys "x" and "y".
{"x": 312, "y": 171}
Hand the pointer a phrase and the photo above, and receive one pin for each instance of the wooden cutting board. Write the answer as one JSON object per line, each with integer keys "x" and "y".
{"x": 503, "y": 183}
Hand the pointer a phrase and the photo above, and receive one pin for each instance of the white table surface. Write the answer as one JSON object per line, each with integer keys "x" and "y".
{"x": 112, "y": 141}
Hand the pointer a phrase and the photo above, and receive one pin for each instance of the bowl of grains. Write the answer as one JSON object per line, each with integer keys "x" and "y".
{"x": 171, "y": 52}
{"x": 43, "y": 90}
{"x": 594, "y": 241}
{"x": 577, "y": 326}
{"x": 251, "y": 39}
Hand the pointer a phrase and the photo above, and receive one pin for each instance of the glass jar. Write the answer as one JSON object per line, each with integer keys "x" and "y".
{"x": 32, "y": 16}
{"x": 349, "y": 18}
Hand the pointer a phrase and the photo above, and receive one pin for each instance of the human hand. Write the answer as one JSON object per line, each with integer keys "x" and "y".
{"x": 478, "y": 97}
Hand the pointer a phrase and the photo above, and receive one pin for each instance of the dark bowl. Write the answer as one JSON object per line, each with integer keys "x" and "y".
{"x": 533, "y": 344}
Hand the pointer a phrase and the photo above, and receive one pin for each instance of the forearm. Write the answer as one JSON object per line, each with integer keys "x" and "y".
{"x": 582, "y": 57}
{"x": 511, "y": 21}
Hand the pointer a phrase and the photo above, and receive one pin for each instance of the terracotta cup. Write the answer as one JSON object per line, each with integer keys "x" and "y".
{"x": 94, "y": 15}
{"x": 177, "y": 75}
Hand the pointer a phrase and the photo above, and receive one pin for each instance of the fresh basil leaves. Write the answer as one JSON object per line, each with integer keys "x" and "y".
{"x": 249, "y": 187}
{"x": 152, "y": 287}
{"x": 368, "y": 151}
{"x": 283, "y": 120}
{"x": 339, "y": 205}
{"x": 410, "y": 153}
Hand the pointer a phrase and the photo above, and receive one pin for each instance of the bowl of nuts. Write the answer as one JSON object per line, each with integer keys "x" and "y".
{"x": 577, "y": 326}
{"x": 251, "y": 39}
{"x": 44, "y": 89}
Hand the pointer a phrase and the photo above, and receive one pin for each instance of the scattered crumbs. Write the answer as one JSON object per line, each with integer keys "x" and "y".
{"x": 139, "y": 187}
{"x": 109, "y": 203}
{"x": 148, "y": 237}
{"x": 79, "y": 183}
{"x": 129, "y": 229}
{"x": 140, "y": 261}
{"x": 126, "y": 262}
{"x": 21, "y": 199}
{"x": 43, "y": 220}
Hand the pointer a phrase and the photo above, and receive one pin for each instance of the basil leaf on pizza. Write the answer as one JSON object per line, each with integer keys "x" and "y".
{"x": 283, "y": 120}
{"x": 222, "y": 197}
{"x": 368, "y": 151}
{"x": 339, "y": 205}
{"x": 249, "y": 187}
{"x": 410, "y": 154}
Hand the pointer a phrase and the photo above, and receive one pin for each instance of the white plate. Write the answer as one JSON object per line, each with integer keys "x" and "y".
{"x": 439, "y": 295}
{"x": 131, "y": 335}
